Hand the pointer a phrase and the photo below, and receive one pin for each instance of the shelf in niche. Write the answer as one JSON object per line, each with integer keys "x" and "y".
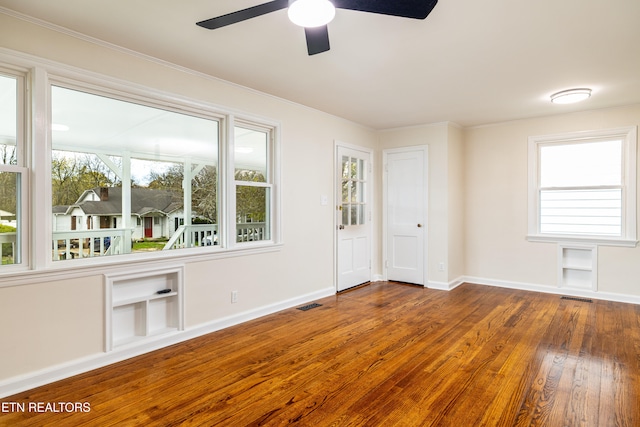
{"x": 578, "y": 266}
{"x": 144, "y": 298}
{"x": 136, "y": 312}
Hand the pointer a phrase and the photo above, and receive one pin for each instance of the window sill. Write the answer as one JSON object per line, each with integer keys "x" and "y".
{"x": 602, "y": 241}
{"x": 63, "y": 270}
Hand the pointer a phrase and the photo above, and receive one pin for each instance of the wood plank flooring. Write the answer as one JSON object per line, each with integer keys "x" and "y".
{"x": 386, "y": 354}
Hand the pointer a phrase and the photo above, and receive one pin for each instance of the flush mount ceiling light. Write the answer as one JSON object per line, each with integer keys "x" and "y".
{"x": 311, "y": 13}
{"x": 570, "y": 96}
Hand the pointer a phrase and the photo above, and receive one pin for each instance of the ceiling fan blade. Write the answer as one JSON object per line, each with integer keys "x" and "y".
{"x": 317, "y": 39}
{"x": 417, "y": 9}
{"x": 243, "y": 15}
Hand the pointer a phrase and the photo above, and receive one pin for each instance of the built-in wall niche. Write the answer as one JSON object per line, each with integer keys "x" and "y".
{"x": 143, "y": 305}
{"x": 578, "y": 267}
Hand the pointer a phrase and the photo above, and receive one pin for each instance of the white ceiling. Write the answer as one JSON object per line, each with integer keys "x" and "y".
{"x": 471, "y": 62}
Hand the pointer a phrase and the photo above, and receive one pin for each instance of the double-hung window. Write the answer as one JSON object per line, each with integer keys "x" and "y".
{"x": 253, "y": 177}
{"x": 13, "y": 176}
{"x": 582, "y": 186}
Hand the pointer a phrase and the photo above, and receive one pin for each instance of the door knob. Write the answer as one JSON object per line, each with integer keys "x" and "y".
{"x": 419, "y": 225}
{"x": 341, "y": 227}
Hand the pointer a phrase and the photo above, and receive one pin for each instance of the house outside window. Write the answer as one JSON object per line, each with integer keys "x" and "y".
{"x": 582, "y": 187}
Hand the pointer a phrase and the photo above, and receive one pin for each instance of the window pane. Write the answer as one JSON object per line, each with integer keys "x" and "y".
{"x": 581, "y": 165}
{"x": 204, "y": 205}
{"x": 8, "y": 120}
{"x": 253, "y": 210}
{"x": 171, "y": 159}
{"x": 353, "y": 190}
{"x": 353, "y": 168}
{"x": 593, "y": 212}
{"x": 10, "y": 218}
{"x": 345, "y": 167}
{"x": 250, "y": 155}
{"x": 345, "y": 191}
{"x": 252, "y": 213}
{"x": 361, "y": 192}
{"x": 354, "y": 215}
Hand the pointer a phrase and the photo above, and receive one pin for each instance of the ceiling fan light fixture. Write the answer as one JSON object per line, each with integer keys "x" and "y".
{"x": 570, "y": 96}
{"x": 311, "y": 13}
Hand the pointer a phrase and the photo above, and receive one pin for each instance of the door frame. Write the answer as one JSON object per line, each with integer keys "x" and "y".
{"x": 336, "y": 204}
{"x": 385, "y": 218}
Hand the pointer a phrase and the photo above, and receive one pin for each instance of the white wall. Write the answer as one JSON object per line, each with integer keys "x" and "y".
{"x": 496, "y": 206}
{"x": 456, "y": 204}
{"x": 48, "y": 322}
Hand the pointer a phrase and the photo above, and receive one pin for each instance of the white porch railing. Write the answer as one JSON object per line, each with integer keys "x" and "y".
{"x": 251, "y": 232}
{"x": 94, "y": 243}
{"x": 189, "y": 236}
{"x": 88, "y": 243}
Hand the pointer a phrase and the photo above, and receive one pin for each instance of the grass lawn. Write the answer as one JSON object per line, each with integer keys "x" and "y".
{"x": 149, "y": 245}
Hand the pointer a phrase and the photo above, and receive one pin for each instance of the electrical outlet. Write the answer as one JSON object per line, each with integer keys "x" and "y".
{"x": 441, "y": 266}
{"x": 234, "y": 297}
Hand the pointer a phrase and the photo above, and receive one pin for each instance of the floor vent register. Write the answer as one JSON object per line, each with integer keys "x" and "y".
{"x": 309, "y": 306}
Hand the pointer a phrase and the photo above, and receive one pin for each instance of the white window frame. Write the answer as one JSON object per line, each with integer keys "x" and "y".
{"x": 272, "y": 183}
{"x": 628, "y": 135}
{"x": 23, "y": 195}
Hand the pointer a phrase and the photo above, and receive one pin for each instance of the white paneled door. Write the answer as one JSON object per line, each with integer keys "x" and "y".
{"x": 353, "y": 218}
{"x": 405, "y": 213}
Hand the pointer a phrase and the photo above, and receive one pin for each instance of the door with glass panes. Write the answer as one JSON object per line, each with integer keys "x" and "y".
{"x": 353, "y": 217}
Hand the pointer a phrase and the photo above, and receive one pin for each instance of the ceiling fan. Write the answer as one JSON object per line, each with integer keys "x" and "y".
{"x": 315, "y": 21}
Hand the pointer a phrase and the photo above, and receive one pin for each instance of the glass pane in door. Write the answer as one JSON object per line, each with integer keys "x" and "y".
{"x": 345, "y": 167}
{"x": 353, "y": 187}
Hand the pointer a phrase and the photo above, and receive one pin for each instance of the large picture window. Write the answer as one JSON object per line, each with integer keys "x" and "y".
{"x": 128, "y": 177}
{"x": 583, "y": 186}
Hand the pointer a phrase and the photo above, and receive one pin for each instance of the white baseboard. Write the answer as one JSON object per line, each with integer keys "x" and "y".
{"x": 607, "y": 296}
{"x": 444, "y": 286}
{"x": 31, "y": 380}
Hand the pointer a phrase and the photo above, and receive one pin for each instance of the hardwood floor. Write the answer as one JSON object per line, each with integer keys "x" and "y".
{"x": 382, "y": 355}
